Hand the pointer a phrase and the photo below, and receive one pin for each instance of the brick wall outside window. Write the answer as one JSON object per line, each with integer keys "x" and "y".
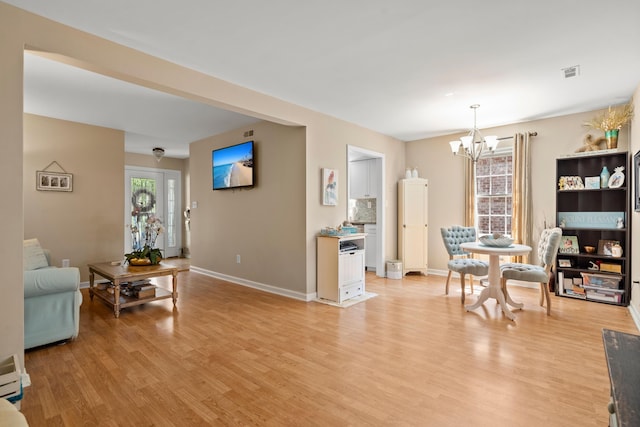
{"x": 493, "y": 201}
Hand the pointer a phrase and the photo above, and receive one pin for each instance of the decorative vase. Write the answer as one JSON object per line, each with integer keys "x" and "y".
{"x": 604, "y": 177}
{"x": 407, "y": 174}
{"x": 414, "y": 173}
{"x": 612, "y": 138}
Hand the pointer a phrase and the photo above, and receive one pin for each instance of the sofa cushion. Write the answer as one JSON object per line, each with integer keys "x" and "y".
{"x": 33, "y": 256}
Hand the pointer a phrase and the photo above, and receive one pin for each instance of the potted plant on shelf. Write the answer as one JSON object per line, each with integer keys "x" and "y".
{"x": 612, "y": 121}
{"x": 147, "y": 253}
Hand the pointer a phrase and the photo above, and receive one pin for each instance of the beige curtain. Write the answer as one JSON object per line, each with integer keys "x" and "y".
{"x": 522, "y": 216}
{"x": 469, "y": 193}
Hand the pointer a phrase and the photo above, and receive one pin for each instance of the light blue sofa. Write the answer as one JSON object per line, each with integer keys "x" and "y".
{"x": 52, "y": 300}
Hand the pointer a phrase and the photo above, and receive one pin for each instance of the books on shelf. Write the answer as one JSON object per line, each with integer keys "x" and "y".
{"x": 573, "y": 294}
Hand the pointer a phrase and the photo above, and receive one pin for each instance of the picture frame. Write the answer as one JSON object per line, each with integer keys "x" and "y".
{"x": 636, "y": 172}
{"x": 54, "y": 181}
{"x": 592, "y": 182}
{"x": 604, "y": 247}
{"x": 569, "y": 245}
{"x": 329, "y": 187}
{"x": 564, "y": 262}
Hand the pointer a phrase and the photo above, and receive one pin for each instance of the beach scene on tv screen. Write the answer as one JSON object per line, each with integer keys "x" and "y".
{"x": 233, "y": 166}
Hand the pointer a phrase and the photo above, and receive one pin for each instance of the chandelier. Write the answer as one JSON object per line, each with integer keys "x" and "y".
{"x": 473, "y": 145}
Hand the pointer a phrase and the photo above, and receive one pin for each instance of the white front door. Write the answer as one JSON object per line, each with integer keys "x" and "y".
{"x": 152, "y": 197}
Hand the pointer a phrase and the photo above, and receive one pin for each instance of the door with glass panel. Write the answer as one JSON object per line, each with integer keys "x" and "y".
{"x": 152, "y": 204}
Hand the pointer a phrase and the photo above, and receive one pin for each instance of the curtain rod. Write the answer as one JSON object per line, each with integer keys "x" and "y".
{"x": 531, "y": 133}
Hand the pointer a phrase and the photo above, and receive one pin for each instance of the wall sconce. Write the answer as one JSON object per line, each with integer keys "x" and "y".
{"x": 158, "y": 153}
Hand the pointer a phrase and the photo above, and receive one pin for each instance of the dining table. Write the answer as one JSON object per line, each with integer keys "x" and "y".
{"x": 494, "y": 290}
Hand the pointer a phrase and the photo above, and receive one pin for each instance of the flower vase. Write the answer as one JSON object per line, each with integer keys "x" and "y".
{"x": 612, "y": 138}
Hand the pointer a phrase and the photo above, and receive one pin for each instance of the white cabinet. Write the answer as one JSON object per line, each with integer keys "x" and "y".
{"x": 371, "y": 247}
{"x": 341, "y": 267}
{"x": 413, "y": 224}
{"x": 363, "y": 179}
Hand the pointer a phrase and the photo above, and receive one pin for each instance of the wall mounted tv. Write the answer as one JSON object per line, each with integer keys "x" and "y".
{"x": 233, "y": 167}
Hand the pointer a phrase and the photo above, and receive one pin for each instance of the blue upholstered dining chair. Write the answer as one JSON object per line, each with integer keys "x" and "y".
{"x": 547, "y": 251}
{"x": 460, "y": 261}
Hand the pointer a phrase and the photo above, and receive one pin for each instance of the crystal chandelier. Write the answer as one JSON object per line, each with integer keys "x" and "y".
{"x": 473, "y": 145}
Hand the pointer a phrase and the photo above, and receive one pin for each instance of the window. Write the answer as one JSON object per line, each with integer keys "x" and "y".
{"x": 494, "y": 187}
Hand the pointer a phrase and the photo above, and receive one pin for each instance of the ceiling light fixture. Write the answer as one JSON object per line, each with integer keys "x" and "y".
{"x": 158, "y": 153}
{"x": 473, "y": 145}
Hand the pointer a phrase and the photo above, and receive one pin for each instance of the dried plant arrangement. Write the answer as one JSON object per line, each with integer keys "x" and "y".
{"x": 613, "y": 118}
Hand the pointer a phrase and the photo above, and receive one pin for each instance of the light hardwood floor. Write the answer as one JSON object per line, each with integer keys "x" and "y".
{"x": 231, "y": 355}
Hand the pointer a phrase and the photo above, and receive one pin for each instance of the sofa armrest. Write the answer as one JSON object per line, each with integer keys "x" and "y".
{"x": 52, "y": 280}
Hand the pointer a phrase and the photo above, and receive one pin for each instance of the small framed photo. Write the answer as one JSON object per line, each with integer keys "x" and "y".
{"x": 564, "y": 262}
{"x": 54, "y": 181}
{"x": 592, "y": 182}
{"x": 604, "y": 246}
{"x": 569, "y": 245}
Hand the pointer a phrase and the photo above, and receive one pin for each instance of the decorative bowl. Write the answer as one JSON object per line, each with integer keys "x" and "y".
{"x": 496, "y": 240}
{"x": 590, "y": 249}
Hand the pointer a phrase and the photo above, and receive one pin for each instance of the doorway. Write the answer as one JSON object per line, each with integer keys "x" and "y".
{"x": 357, "y": 154}
{"x": 152, "y": 197}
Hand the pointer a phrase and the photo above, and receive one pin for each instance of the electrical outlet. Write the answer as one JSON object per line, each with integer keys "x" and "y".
{"x": 237, "y": 259}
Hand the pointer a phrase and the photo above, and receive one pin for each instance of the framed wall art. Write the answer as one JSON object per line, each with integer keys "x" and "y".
{"x": 54, "y": 181}
{"x": 329, "y": 187}
{"x": 636, "y": 172}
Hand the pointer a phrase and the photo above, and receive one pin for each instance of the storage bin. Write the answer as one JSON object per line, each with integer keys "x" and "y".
{"x": 601, "y": 280}
{"x": 394, "y": 269}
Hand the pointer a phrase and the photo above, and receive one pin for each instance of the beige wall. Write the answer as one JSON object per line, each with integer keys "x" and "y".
{"x": 265, "y": 224}
{"x": 84, "y": 225}
{"x": 556, "y": 137}
{"x": 326, "y": 138}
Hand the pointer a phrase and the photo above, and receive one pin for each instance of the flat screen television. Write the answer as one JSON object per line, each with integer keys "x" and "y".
{"x": 233, "y": 167}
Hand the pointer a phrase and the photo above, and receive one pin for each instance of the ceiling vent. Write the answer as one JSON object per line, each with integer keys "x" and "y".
{"x": 571, "y": 71}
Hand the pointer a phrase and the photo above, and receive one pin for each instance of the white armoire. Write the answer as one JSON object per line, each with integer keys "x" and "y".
{"x": 412, "y": 224}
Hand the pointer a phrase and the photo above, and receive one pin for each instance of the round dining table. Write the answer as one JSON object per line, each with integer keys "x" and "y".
{"x": 494, "y": 289}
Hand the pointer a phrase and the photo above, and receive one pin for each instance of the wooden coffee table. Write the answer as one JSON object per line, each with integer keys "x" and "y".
{"x": 119, "y": 273}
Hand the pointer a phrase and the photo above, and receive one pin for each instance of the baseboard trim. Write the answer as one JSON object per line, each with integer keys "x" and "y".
{"x": 256, "y": 285}
{"x": 635, "y": 315}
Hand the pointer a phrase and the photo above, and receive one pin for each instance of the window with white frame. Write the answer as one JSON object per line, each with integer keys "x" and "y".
{"x": 494, "y": 193}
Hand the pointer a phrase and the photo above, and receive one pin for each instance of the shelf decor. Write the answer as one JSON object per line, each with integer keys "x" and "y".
{"x": 595, "y": 220}
{"x": 569, "y": 245}
{"x": 611, "y": 121}
{"x": 592, "y": 182}
{"x": 605, "y": 246}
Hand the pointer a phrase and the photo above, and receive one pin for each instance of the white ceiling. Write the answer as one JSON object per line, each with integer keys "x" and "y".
{"x": 408, "y": 68}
